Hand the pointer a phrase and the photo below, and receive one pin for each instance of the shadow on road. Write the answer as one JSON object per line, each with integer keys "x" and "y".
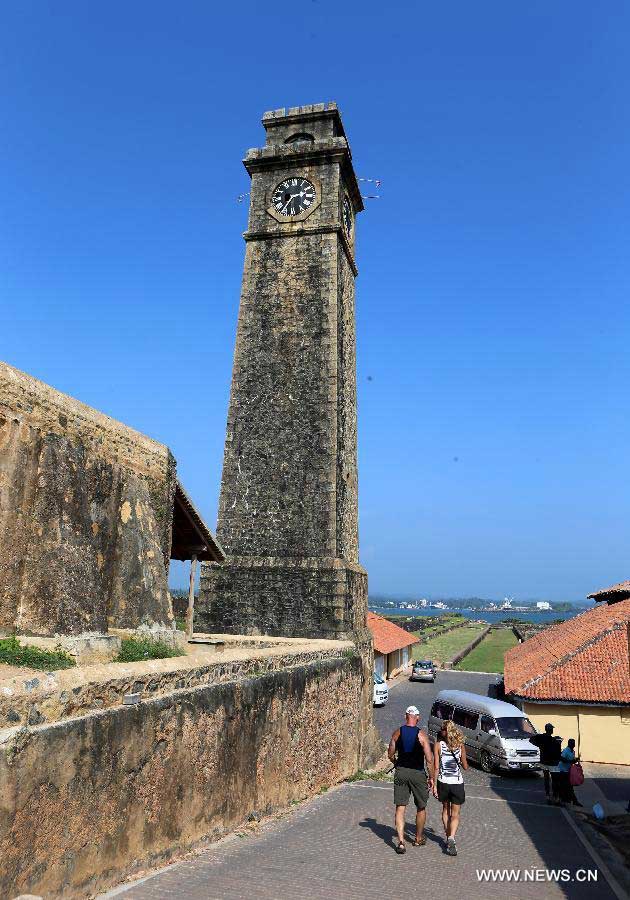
{"x": 388, "y": 834}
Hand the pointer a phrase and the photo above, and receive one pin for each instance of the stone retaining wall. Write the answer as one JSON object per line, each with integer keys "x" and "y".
{"x": 88, "y": 800}
{"x": 53, "y": 696}
{"x": 466, "y": 650}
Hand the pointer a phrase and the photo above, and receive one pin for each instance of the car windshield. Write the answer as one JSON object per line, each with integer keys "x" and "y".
{"x": 423, "y": 664}
{"x": 515, "y": 727}
{"x": 378, "y": 679}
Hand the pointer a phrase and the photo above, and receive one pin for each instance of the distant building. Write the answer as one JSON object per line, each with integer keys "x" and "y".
{"x": 422, "y": 604}
{"x": 577, "y": 675}
{"x": 543, "y": 605}
{"x": 391, "y": 645}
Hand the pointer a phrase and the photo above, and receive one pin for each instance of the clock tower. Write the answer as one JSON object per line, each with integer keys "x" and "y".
{"x": 288, "y": 515}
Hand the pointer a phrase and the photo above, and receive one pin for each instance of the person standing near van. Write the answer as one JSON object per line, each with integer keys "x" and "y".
{"x": 450, "y": 760}
{"x": 550, "y": 748}
{"x": 408, "y": 749}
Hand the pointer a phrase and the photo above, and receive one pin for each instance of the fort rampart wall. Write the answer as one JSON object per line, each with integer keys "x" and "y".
{"x": 86, "y": 507}
{"x": 90, "y": 799}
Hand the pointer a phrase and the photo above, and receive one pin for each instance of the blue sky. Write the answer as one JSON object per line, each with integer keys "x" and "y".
{"x": 494, "y": 270}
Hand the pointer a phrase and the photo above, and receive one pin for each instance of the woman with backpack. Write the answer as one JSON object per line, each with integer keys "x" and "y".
{"x": 448, "y": 783}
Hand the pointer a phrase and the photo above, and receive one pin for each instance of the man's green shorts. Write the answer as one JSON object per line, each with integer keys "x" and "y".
{"x": 410, "y": 781}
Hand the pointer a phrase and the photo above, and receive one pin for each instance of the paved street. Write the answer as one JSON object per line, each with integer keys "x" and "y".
{"x": 339, "y": 846}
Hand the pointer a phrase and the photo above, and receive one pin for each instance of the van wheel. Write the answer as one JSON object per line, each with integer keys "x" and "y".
{"x": 485, "y": 761}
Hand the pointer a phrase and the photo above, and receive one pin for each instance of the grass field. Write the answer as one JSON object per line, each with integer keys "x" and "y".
{"x": 444, "y": 646}
{"x": 488, "y": 655}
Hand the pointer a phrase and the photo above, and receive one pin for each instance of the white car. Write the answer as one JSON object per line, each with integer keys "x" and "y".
{"x": 381, "y": 692}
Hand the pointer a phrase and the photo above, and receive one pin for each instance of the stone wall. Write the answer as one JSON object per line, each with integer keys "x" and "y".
{"x": 288, "y": 507}
{"x": 299, "y": 597}
{"x": 87, "y": 800}
{"x": 278, "y": 488}
{"x": 466, "y": 650}
{"x": 85, "y": 516}
{"x": 38, "y": 697}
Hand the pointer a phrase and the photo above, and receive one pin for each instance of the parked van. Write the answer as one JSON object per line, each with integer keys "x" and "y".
{"x": 496, "y": 734}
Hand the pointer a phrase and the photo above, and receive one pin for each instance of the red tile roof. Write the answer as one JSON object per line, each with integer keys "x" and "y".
{"x": 617, "y": 592}
{"x": 387, "y": 636}
{"x": 582, "y": 659}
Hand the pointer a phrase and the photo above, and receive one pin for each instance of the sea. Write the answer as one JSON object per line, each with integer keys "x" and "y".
{"x": 536, "y": 617}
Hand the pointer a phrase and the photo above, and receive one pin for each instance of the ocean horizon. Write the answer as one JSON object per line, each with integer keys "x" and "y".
{"x": 536, "y": 617}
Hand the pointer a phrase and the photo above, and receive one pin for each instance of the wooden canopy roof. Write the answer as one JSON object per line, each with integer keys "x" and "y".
{"x": 191, "y": 535}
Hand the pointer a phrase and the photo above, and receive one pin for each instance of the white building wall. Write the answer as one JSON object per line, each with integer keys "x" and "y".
{"x": 380, "y": 665}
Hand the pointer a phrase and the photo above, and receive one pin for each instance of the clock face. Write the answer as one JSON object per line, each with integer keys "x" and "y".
{"x": 293, "y": 196}
{"x": 347, "y": 215}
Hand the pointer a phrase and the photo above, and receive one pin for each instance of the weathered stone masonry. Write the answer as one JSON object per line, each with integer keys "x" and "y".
{"x": 288, "y": 507}
{"x": 288, "y": 511}
{"x": 86, "y": 509}
{"x": 88, "y": 799}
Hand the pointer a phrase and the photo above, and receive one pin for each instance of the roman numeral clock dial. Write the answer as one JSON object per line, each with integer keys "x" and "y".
{"x": 293, "y": 196}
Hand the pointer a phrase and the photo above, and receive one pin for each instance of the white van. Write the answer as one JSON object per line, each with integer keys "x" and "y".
{"x": 496, "y": 734}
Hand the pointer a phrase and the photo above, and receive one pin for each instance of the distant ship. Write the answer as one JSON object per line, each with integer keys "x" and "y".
{"x": 506, "y": 606}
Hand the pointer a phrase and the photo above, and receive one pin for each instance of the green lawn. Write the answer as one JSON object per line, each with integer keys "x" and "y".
{"x": 445, "y": 646}
{"x": 488, "y": 655}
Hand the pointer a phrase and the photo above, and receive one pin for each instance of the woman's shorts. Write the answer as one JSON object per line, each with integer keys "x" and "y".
{"x": 451, "y": 793}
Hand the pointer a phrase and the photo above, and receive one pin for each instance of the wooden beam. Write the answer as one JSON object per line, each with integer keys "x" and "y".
{"x": 190, "y": 614}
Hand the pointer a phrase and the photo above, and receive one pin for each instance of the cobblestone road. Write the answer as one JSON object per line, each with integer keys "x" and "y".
{"x": 339, "y": 846}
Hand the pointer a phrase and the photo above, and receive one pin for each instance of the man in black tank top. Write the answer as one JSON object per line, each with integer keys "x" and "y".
{"x": 409, "y": 749}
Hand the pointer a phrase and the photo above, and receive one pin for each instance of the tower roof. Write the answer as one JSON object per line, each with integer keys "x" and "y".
{"x": 296, "y": 115}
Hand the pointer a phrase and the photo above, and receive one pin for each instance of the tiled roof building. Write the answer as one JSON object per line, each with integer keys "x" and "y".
{"x": 613, "y": 594}
{"x": 576, "y": 675}
{"x": 584, "y": 658}
{"x": 391, "y": 645}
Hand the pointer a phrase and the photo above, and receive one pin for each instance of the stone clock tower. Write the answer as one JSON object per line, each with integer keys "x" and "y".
{"x": 288, "y": 507}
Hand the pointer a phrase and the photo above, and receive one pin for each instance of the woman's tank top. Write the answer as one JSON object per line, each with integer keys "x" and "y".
{"x": 450, "y": 765}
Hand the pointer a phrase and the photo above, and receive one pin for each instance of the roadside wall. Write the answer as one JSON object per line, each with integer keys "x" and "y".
{"x": 86, "y": 801}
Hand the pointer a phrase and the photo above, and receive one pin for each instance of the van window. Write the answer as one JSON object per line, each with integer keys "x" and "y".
{"x": 513, "y": 727}
{"x": 465, "y": 719}
{"x": 442, "y": 710}
{"x": 487, "y": 724}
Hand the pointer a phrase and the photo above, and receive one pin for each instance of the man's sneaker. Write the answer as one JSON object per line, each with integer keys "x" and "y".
{"x": 451, "y": 849}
